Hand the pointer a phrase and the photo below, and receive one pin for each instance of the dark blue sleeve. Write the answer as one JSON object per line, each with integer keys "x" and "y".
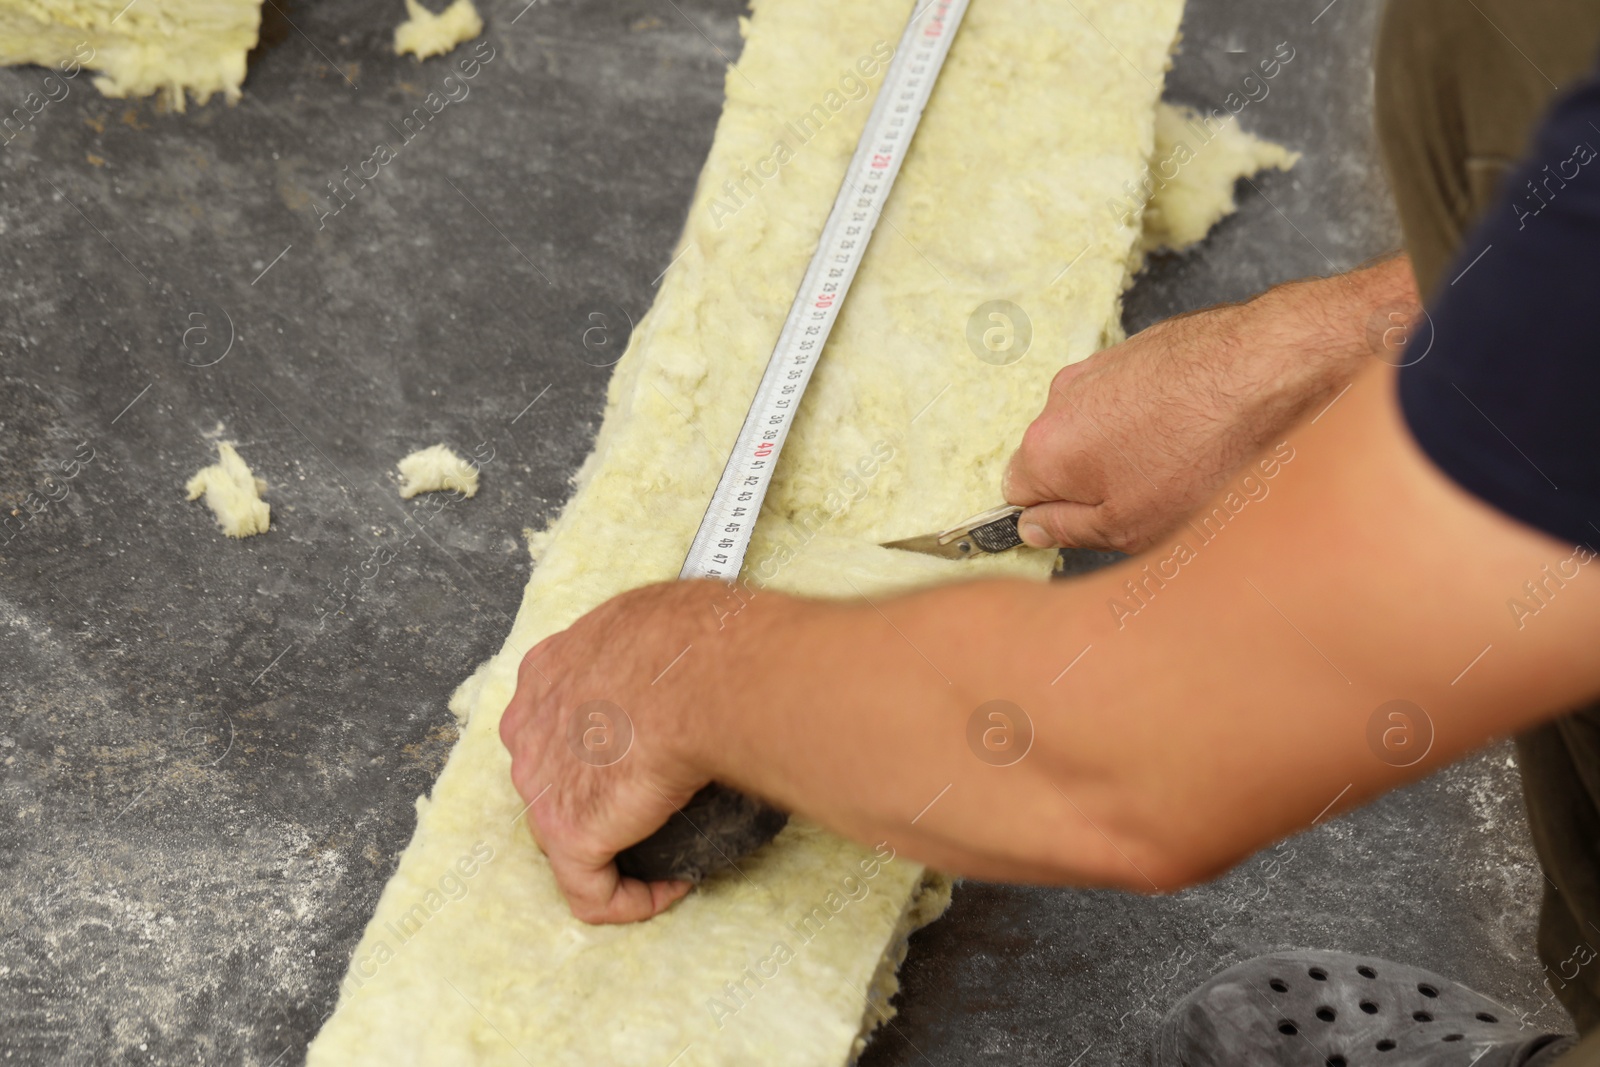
{"x": 1503, "y": 393}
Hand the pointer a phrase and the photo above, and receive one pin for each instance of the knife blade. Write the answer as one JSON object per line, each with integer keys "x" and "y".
{"x": 984, "y": 534}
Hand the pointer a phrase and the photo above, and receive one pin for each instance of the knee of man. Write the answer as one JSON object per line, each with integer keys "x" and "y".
{"x": 1415, "y": 65}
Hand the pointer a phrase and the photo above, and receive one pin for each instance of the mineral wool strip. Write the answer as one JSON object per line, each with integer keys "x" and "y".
{"x": 1043, "y": 112}
{"x": 174, "y": 47}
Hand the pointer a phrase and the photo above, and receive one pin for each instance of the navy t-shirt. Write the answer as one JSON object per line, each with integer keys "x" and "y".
{"x": 1503, "y": 392}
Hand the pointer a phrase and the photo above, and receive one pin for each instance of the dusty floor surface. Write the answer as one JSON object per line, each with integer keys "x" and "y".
{"x": 210, "y": 748}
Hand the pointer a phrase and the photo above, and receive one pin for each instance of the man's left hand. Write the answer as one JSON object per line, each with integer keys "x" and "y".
{"x": 597, "y": 732}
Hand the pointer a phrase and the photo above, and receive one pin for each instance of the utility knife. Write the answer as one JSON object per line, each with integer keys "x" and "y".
{"x": 992, "y": 531}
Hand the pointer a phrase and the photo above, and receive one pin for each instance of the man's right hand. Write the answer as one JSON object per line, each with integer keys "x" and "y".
{"x": 1134, "y": 438}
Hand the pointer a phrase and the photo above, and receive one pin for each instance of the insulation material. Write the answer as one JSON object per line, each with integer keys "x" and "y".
{"x": 175, "y": 47}
{"x": 425, "y": 34}
{"x": 432, "y": 470}
{"x": 232, "y": 493}
{"x": 1043, "y": 112}
{"x": 1205, "y": 159}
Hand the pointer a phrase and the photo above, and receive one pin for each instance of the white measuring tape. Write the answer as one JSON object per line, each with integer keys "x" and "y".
{"x": 720, "y": 544}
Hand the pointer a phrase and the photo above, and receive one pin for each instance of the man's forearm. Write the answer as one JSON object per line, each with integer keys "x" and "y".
{"x": 867, "y": 727}
{"x": 1227, "y": 701}
{"x": 1303, "y": 341}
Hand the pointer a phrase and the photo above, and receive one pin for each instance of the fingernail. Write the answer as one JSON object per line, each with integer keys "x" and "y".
{"x": 1034, "y": 536}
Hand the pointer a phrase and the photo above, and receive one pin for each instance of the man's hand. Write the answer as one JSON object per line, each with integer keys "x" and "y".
{"x": 1132, "y": 439}
{"x": 594, "y": 736}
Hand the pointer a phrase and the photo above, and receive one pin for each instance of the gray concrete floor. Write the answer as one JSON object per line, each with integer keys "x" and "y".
{"x": 210, "y": 748}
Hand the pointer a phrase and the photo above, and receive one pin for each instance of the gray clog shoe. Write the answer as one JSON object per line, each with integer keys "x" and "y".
{"x": 1310, "y": 1008}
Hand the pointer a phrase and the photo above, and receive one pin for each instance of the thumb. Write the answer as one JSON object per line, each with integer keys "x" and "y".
{"x": 1062, "y": 524}
{"x": 597, "y": 894}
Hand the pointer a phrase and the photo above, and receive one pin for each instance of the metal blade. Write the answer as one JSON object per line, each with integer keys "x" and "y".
{"x": 929, "y": 544}
{"x": 993, "y": 531}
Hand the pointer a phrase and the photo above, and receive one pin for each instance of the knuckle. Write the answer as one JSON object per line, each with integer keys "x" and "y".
{"x": 1008, "y": 479}
{"x": 527, "y": 670}
{"x": 1046, "y": 466}
{"x": 1121, "y": 538}
{"x": 522, "y": 771}
{"x": 1063, "y": 377}
{"x": 583, "y": 898}
{"x": 1085, "y": 532}
{"x": 510, "y": 723}
{"x": 1036, "y": 441}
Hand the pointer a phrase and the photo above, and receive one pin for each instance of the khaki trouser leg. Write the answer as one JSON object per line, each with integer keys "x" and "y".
{"x": 1461, "y": 85}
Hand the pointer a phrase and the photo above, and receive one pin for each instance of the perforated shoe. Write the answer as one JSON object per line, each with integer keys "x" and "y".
{"x": 1311, "y": 1008}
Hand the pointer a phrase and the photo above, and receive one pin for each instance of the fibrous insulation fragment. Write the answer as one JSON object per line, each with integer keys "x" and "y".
{"x": 431, "y": 470}
{"x": 425, "y": 34}
{"x": 233, "y": 494}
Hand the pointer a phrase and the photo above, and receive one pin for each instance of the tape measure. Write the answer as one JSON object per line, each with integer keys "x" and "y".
{"x": 719, "y": 546}
{"x": 719, "y": 826}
